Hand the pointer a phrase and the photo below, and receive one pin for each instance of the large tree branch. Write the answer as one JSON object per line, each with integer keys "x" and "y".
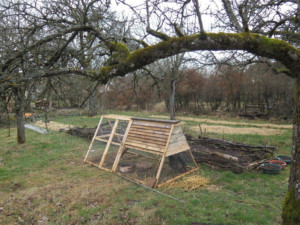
{"x": 231, "y": 15}
{"x": 252, "y": 43}
{"x": 49, "y": 38}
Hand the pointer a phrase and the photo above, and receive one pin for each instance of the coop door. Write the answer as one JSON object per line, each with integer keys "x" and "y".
{"x": 106, "y": 142}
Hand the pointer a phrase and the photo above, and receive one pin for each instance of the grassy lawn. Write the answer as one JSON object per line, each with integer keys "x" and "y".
{"x": 45, "y": 181}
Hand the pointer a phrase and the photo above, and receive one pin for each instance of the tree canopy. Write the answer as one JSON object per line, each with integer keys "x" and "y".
{"x": 43, "y": 38}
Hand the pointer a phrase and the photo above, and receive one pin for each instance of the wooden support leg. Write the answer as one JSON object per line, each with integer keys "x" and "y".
{"x": 191, "y": 154}
{"x": 109, "y": 142}
{"x": 159, "y": 169}
{"x": 122, "y": 148}
{"x": 164, "y": 156}
{"x": 92, "y": 142}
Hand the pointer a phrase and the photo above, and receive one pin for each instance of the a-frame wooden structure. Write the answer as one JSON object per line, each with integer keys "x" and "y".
{"x": 159, "y": 137}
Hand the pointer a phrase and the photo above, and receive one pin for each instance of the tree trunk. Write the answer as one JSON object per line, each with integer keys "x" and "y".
{"x": 172, "y": 97}
{"x": 20, "y": 102}
{"x": 291, "y": 204}
{"x": 92, "y": 105}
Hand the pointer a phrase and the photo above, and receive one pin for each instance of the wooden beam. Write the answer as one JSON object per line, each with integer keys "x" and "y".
{"x": 108, "y": 143}
{"x": 164, "y": 156}
{"x": 92, "y": 142}
{"x": 122, "y": 147}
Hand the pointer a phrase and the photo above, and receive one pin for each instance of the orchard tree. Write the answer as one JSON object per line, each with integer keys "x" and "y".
{"x": 259, "y": 29}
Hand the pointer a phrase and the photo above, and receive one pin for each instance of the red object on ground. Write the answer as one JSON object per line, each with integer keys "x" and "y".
{"x": 280, "y": 163}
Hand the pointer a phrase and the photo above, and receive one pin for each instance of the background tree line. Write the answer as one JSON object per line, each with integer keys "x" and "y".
{"x": 254, "y": 91}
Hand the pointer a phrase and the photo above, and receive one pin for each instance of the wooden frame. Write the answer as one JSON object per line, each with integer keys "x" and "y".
{"x": 159, "y": 137}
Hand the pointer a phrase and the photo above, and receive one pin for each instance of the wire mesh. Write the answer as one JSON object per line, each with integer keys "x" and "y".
{"x": 144, "y": 166}
{"x": 103, "y": 135}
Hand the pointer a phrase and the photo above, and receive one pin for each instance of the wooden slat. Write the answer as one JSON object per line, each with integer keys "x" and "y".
{"x": 144, "y": 145}
{"x": 146, "y": 142}
{"x": 149, "y": 132}
{"x": 92, "y": 142}
{"x": 191, "y": 155}
{"x": 150, "y": 128}
{"x": 143, "y": 149}
{"x": 122, "y": 148}
{"x": 108, "y": 143}
{"x": 102, "y": 136}
{"x": 104, "y": 140}
{"x": 163, "y": 156}
{"x": 148, "y": 138}
{"x": 151, "y": 124}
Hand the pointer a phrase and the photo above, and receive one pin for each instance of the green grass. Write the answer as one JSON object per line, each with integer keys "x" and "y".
{"x": 46, "y": 180}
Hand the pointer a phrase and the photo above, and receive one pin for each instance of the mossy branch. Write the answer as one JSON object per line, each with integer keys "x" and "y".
{"x": 158, "y": 34}
{"x": 178, "y": 31}
{"x": 253, "y": 43}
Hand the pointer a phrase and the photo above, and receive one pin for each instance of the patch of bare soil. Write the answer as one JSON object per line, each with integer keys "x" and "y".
{"x": 55, "y": 126}
{"x": 229, "y": 122}
{"x": 237, "y": 130}
{"x": 232, "y": 156}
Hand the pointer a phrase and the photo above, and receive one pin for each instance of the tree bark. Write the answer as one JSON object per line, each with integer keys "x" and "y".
{"x": 92, "y": 105}
{"x": 172, "y": 97}
{"x": 291, "y": 204}
{"x": 20, "y": 103}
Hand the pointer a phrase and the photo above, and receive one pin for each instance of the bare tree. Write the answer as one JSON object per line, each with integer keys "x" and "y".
{"x": 267, "y": 29}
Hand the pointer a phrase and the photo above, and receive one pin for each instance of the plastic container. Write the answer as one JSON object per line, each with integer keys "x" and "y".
{"x": 279, "y": 162}
{"x": 284, "y": 158}
{"x": 270, "y": 168}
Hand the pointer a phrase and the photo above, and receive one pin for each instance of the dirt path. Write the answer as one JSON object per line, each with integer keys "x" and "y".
{"x": 266, "y": 125}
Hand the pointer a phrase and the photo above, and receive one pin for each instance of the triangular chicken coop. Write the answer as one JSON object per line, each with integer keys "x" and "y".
{"x": 149, "y": 151}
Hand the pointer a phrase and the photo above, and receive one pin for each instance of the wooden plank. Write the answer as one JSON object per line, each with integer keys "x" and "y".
{"x": 163, "y": 129}
{"x": 103, "y": 136}
{"x": 144, "y": 146}
{"x": 122, "y": 148}
{"x": 92, "y": 142}
{"x": 102, "y": 168}
{"x": 164, "y": 156}
{"x": 193, "y": 159}
{"x": 147, "y": 139}
{"x": 104, "y": 140}
{"x": 156, "y": 120}
{"x": 177, "y": 177}
{"x": 144, "y": 143}
{"x": 108, "y": 143}
{"x": 147, "y": 142}
{"x": 150, "y": 132}
{"x": 143, "y": 149}
{"x": 151, "y": 124}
